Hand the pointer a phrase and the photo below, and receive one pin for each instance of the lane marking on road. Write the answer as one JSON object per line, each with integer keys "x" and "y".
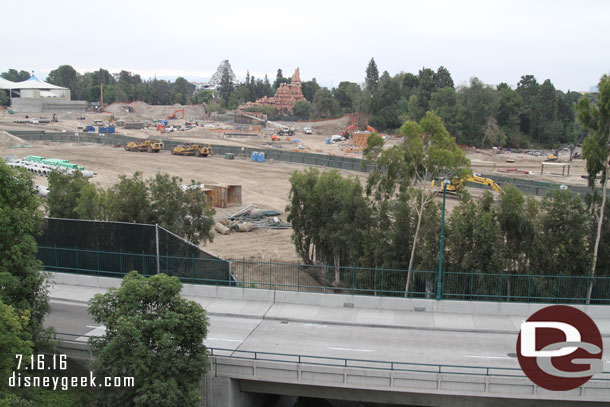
{"x": 74, "y": 303}
{"x": 488, "y": 357}
{"x": 353, "y": 350}
{"x": 224, "y": 340}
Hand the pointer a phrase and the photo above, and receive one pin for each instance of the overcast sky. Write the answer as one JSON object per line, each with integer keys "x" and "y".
{"x": 496, "y": 41}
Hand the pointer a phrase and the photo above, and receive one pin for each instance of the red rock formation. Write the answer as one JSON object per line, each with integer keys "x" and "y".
{"x": 285, "y": 97}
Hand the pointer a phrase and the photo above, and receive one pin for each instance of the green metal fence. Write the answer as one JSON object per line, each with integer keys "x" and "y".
{"x": 470, "y": 286}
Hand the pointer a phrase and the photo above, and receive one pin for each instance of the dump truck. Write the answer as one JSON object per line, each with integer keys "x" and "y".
{"x": 198, "y": 150}
{"x": 151, "y": 146}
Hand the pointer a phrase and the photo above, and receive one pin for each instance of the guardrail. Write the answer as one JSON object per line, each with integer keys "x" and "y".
{"x": 352, "y": 363}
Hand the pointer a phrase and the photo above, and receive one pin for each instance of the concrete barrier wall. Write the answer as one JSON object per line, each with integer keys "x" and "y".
{"x": 27, "y": 105}
{"x": 340, "y": 300}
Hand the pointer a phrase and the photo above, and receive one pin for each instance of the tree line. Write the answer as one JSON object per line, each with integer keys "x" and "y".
{"x": 152, "y": 334}
{"x": 160, "y": 200}
{"x": 395, "y": 222}
{"x": 476, "y": 114}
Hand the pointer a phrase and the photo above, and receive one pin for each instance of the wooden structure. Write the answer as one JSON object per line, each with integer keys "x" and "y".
{"x": 224, "y": 195}
{"x": 555, "y": 164}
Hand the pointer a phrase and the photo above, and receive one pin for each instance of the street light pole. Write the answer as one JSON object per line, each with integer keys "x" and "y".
{"x": 440, "y": 261}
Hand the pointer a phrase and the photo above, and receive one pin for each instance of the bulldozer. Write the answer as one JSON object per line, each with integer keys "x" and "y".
{"x": 151, "y": 146}
{"x": 198, "y": 150}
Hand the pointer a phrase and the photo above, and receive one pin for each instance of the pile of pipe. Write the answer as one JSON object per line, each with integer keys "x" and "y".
{"x": 42, "y": 169}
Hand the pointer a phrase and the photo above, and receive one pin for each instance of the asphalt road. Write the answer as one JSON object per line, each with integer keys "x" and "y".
{"x": 327, "y": 340}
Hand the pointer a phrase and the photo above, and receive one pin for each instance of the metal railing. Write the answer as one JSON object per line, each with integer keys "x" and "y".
{"x": 372, "y": 364}
{"x": 286, "y": 276}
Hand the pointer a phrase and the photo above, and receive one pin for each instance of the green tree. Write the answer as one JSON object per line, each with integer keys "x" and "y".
{"x": 372, "y": 77}
{"x": 64, "y": 193}
{"x": 64, "y": 76}
{"x": 14, "y": 76}
{"x": 182, "y": 90}
{"x": 186, "y": 213}
{"x": 564, "y": 231}
{"x": 426, "y": 86}
{"x": 279, "y": 79}
{"x": 596, "y": 118}
{"x": 154, "y": 336}
{"x": 348, "y": 95}
{"x": 12, "y": 342}
{"x": 477, "y": 103}
{"x": 548, "y": 130}
{"x": 226, "y": 88}
{"x": 159, "y": 91}
{"x": 509, "y": 107}
{"x": 444, "y": 103}
{"x": 527, "y": 88}
{"x": 128, "y": 200}
{"x": 384, "y": 105}
{"x": 328, "y": 214}
{"x": 325, "y": 105}
{"x": 302, "y": 109}
{"x": 203, "y": 96}
{"x": 427, "y": 152}
{"x": 443, "y": 78}
{"x": 22, "y": 284}
{"x": 309, "y": 89}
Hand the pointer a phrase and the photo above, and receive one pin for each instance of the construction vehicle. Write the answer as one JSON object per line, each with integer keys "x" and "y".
{"x": 352, "y": 128}
{"x": 151, "y": 146}
{"x": 173, "y": 115}
{"x": 457, "y": 184}
{"x": 283, "y": 129}
{"x": 198, "y": 150}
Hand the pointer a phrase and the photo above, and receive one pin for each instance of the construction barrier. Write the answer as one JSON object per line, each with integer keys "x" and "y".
{"x": 321, "y": 278}
{"x": 530, "y": 187}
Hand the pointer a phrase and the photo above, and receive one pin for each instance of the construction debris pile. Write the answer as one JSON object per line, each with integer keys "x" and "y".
{"x": 250, "y": 218}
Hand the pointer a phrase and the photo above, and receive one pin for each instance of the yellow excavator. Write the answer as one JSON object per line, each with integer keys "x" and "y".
{"x": 458, "y": 183}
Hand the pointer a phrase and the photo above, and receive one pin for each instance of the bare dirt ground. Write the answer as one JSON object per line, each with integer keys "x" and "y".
{"x": 263, "y": 184}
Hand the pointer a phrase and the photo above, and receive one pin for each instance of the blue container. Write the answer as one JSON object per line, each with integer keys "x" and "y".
{"x": 90, "y": 129}
{"x": 261, "y": 157}
{"x": 106, "y": 129}
{"x": 328, "y": 141}
{"x": 253, "y": 156}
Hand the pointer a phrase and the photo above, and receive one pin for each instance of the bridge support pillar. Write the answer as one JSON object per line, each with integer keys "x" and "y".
{"x": 225, "y": 392}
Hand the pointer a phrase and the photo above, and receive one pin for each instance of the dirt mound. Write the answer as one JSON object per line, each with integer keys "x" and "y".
{"x": 8, "y": 140}
{"x": 143, "y": 111}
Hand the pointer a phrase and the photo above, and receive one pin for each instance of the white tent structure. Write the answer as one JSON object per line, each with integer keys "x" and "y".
{"x": 35, "y": 88}
{"x": 6, "y": 84}
{"x": 34, "y": 95}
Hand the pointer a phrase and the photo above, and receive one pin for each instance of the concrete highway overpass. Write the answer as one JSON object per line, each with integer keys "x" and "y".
{"x": 370, "y": 349}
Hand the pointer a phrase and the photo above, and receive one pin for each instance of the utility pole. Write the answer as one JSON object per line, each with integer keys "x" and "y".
{"x": 440, "y": 261}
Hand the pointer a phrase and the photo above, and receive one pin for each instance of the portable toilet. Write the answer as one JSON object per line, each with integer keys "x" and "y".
{"x": 261, "y": 157}
{"x": 254, "y": 155}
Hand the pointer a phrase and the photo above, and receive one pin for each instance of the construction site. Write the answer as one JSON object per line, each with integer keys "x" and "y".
{"x": 241, "y": 159}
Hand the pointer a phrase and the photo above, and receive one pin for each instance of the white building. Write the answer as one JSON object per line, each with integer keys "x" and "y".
{"x": 34, "y": 95}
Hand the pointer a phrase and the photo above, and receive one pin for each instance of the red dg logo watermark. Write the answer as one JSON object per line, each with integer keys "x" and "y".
{"x": 560, "y": 348}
